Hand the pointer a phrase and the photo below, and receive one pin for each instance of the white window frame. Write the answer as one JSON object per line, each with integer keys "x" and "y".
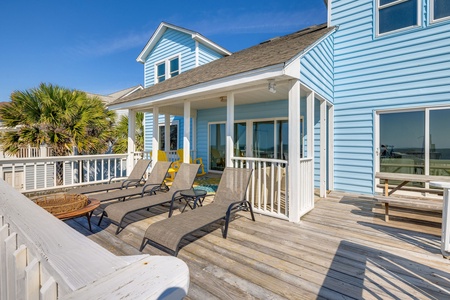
{"x": 166, "y": 63}
{"x": 174, "y": 122}
{"x": 431, "y": 17}
{"x": 377, "y": 16}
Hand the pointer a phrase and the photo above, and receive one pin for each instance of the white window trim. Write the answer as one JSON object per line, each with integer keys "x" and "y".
{"x": 431, "y": 16}
{"x": 174, "y": 122}
{"x": 377, "y": 17}
{"x": 166, "y": 63}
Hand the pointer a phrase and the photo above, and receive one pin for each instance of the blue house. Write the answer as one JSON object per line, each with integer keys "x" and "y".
{"x": 326, "y": 107}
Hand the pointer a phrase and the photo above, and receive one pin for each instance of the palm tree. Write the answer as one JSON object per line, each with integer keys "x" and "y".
{"x": 61, "y": 118}
{"x": 121, "y": 134}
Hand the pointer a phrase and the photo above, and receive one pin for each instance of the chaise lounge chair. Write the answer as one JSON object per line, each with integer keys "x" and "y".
{"x": 183, "y": 181}
{"x": 135, "y": 179}
{"x": 155, "y": 182}
{"x": 229, "y": 199}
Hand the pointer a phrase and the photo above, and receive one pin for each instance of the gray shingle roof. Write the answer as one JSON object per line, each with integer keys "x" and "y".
{"x": 269, "y": 53}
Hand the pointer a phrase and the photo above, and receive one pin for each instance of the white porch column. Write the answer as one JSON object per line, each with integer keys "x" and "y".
{"x": 166, "y": 132}
{"x": 194, "y": 137}
{"x": 187, "y": 132}
{"x": 310, "y": 125}
{"x": 155, "y": 137}
{"x": 331, "y": 147}
{"x": 229, "y": 130}
{"x": 323, "y": 149}
{"x": 131, "y": 139}
{"x": 294, "y": 150}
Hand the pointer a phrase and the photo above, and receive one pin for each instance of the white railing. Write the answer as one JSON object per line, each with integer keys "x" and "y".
{"x": 64, "y": 264}
{"x": 268, "y": 185}
{"x": 25, "y": 152}
{"x": 44, "y": 173}
{"x": 267, "y": 191}
{"x": 306, "y": 184}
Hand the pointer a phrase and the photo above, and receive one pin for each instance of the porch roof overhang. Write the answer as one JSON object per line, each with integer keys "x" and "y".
{"x": 241, "y": 83}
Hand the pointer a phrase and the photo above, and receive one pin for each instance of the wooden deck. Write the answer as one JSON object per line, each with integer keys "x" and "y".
{"x": 342, "y": 249}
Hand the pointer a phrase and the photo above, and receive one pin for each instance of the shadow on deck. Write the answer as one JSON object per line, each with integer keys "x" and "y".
{"x": 342, "y": 249}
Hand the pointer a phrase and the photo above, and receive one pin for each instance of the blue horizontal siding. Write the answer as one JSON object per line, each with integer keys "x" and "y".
{"x": 171, "y": 43}
{"x": 402, "y": 70}
{"x": 206, "y": 55}
{"x": 316, "y": 68}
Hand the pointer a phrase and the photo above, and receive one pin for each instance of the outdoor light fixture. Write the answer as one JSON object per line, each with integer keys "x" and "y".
{"x": 223, "y": 99}
{"x": 272, "y": 86}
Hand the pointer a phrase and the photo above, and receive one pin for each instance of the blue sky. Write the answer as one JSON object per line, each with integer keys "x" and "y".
{"x": 93, "y": 45}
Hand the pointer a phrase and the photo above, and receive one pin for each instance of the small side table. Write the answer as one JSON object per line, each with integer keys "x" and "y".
{"x": 192, "y": 195}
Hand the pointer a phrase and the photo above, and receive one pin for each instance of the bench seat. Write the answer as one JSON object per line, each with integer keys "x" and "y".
{"x": 425, "y": 204}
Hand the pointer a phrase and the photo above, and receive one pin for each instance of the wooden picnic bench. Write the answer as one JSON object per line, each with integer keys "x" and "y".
{"x": 387, "y": 199}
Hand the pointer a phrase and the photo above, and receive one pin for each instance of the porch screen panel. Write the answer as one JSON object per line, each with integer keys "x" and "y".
{"x": 402, "y": 143}
{"x": 439, "y": 142}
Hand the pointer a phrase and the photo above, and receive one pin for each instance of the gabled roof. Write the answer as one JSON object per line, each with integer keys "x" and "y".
{"x": 276, "y": 51}
{"x": 117, "y": 95}
{"x": 195, "y": 35}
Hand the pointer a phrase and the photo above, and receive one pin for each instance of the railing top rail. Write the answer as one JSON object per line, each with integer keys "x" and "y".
{"x": 279, "y": 161}
{"x": 61, "y": 158}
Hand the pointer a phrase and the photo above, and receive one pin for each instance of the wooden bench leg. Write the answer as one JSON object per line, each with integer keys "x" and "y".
{"x": 386, "y": 212}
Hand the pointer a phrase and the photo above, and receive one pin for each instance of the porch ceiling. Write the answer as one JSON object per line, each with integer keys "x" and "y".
{"x": 215, "y": 99}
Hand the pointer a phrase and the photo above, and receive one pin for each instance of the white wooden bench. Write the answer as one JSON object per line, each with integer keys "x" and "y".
{"x": 425, "y": 204}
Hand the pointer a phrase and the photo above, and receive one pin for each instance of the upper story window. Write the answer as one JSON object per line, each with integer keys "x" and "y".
{"x": 174, "y": 65}
{"x": 161, "y": 72}
{"x": 167, "y": 68}
{"x": 440, "y": 10}
{"x": 394, "y": 15}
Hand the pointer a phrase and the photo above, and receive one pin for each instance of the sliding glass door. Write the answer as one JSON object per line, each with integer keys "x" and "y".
{"x": 240, "y": 139}
{"x": 263, "y": 139}
{"x": 217, "y": 141}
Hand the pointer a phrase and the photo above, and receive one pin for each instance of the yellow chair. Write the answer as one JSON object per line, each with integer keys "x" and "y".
{"x": 201, "y": 170}
{"x": 162, "y": 156}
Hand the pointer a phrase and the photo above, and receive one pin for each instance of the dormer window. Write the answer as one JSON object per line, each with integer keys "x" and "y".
{"x": 174, "y": 65}
{"x": 395, "y": 15}
{"x": 168, "y": 68}
{"x": 161, "y": 72}
{"x": 440, "y": 10}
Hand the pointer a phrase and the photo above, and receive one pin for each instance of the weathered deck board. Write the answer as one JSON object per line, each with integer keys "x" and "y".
{"x": 342, "y": 249}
